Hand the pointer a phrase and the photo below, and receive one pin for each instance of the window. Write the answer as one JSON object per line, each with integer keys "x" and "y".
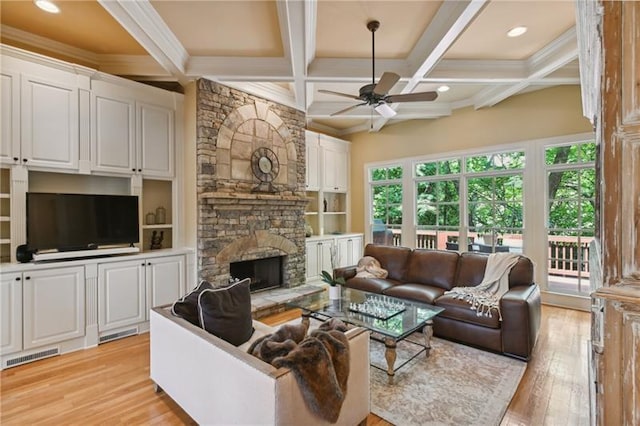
{"x": 571, "y": 183}
{"x": 438, "y": 204}
{"x": 495, "y": 207}
{"x": 386, "y": 214}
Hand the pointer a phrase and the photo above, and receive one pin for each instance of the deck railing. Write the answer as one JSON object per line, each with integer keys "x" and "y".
{"x": 567, "y": 256}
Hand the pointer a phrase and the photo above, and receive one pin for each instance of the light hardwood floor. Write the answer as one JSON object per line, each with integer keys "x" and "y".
{"x": 110, "y": 384}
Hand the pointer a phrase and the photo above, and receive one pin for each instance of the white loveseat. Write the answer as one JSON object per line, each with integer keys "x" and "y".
{"x": 217, "y": 383}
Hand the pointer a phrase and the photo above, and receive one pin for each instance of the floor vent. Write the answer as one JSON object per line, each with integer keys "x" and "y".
{"x": 118, "y": 335}
{"x": 28, "y": 358}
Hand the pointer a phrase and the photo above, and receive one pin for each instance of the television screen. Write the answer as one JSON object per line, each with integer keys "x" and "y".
{"x": 80, "y": 221}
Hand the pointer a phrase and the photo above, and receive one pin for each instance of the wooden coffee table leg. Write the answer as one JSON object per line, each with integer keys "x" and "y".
{"x": 390, "y": 355}
{"x": 427, "y": 331}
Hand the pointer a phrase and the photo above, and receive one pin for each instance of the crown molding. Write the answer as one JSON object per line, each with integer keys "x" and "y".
{"x": 47, "y": 44}
{"x": 267, "y": 91}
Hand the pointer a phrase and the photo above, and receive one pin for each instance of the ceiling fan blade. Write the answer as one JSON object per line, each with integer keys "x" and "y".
{"x": 387, "y": 81}
{"x": 342, "y": 111}
{"x": 331, "y": 92}
{"x": 412, "y": 97}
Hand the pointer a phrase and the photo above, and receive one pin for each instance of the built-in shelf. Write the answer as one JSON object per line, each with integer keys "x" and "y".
{"x": 83, "y": 253}
{"x": 159, "y": 226}
{"x": 5, "y": 241}
{"x": 311, "y": 213}
{"x": 5, "y": 219}
{"x": 6, "y": 196}
{"x": 328, "y": 213}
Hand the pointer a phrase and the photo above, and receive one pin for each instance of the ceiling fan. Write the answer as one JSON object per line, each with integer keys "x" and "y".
{"x": 377, "y": 95}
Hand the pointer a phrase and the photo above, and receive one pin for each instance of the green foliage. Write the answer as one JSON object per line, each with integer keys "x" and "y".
{"x": 328, "y": 278}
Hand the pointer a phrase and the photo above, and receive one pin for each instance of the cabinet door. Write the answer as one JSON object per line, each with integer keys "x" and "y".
{"x": 325, "y": 255}
{"x": 49, "y": 124}
{"x": 121, "y": 294}
{"x": 344, "y": 252}
{"x": 53, "y": 306}
{"x": 113, "y": 133}
{"x": 10, "y": 313}
{"x": 349, "y": 250}
{"x": 313, "y": 260}
{"x": 334, "y": 169}
{"x": 318, "y": 258}
{"x": 165, "y": 280}
{"x": 313, "y": 162}
{"x": 155, "y": 140}
{"x": 355, "y": 250}
{"x": 10, "y": 113}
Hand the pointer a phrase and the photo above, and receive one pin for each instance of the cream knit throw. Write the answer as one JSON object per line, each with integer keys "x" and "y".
{"x": 486, "y": 295}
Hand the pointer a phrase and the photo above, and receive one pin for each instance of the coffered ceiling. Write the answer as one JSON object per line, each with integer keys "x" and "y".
{"x": 287, "y": 50}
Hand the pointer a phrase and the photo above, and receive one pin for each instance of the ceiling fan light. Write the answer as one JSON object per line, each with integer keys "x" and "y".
{"x": 47, "y": 6}
{"x": 443, "y": 88}
{"x": 516, "y": 31}
{"x": 385, "y": 110}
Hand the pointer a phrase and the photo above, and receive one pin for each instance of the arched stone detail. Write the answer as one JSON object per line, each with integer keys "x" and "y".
{"x": 247, "y": 128}
{"x": 259, "y": 241}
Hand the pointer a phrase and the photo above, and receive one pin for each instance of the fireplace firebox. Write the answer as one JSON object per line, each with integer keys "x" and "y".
{"x": 265, "y": 273}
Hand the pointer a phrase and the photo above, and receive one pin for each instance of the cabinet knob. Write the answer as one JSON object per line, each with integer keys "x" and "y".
{"x": 24, "y": 160}
{"x": 17, "y": 278}
{"x": 142, "y": 264}
{"x": 148, "y": 263}
{"x": 133, "y": 170}
{"x": 139, "y": 170}
{"x": 15, "y": 158}
{"x": 27, "y": 278}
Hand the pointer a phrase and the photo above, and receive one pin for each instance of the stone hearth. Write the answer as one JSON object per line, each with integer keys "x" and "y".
{"x": 235, "y": 223}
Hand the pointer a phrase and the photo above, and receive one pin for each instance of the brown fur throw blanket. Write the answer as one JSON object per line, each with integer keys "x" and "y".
{"x": 280, "y": 343}
{"x": 320, "y": 363}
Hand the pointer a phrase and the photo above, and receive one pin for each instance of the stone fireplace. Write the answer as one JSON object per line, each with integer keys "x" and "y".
{"x": 237, "y": 221}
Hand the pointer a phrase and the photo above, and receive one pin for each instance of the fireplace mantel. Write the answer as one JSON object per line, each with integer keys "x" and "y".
{"x": 255, "y": 197}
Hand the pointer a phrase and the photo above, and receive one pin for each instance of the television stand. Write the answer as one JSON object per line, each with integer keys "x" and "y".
{"x": 57, "y": 255}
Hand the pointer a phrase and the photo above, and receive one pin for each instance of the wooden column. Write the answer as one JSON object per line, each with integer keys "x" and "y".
{"x": 616, "y": 322}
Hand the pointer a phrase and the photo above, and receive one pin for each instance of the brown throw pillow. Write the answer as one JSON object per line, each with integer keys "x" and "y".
{"x": 226, "y": 312}
{"x": 187, "y": 306}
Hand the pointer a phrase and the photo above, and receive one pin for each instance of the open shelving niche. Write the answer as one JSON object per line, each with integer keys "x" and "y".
{"x": 5, "y": 215}
{"x": 156, "y": 193}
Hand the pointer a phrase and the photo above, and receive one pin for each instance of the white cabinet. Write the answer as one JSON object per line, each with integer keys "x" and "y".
{"x": 128, "y": 289}
{"x": 349, "y": 250}
{"x": 318, "y": 257}
{"x": 155, "y": 146}
{"x": 40, "y": 124}
{"x": 49, "y": 123}
{"x": 113, "y": 147}
{"x": 335, "y": 164}
{"x": 165, "y": 278}
{"x": 10, "y": 313}
{"x": 121, "y": 294}
{"x": 313, "y": 161}
{"x": 53, "y": 305}
{"x": 10, "y": 110}
{"x": 129, "y": 135}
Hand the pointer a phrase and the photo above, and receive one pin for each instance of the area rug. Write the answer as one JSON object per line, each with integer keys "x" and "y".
{"x": 455, "y": 385}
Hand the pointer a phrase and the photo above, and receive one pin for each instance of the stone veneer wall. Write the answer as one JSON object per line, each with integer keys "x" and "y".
{"x": 235, "y": 223}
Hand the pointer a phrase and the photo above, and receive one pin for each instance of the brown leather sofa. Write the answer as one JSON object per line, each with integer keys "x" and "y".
{"x": 425, "y": 275}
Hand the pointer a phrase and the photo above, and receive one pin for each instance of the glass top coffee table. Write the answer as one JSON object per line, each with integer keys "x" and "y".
{"x": 391, "y": 318}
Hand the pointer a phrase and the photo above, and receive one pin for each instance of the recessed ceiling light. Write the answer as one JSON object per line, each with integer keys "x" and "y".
{"x": 47, "y": 6}
{"x": 516, "y": 31}
{"x": 444, "y": 88}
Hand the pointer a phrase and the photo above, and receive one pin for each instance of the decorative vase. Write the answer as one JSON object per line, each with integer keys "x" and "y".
{"x": 161, "y": 215}
{"x": 335, "y": 292}
{"x": 151, "y": 219}
{"x": 308, "y": 230}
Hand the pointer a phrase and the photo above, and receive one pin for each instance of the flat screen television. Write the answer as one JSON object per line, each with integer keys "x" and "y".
{"x": 80, "y": 221}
